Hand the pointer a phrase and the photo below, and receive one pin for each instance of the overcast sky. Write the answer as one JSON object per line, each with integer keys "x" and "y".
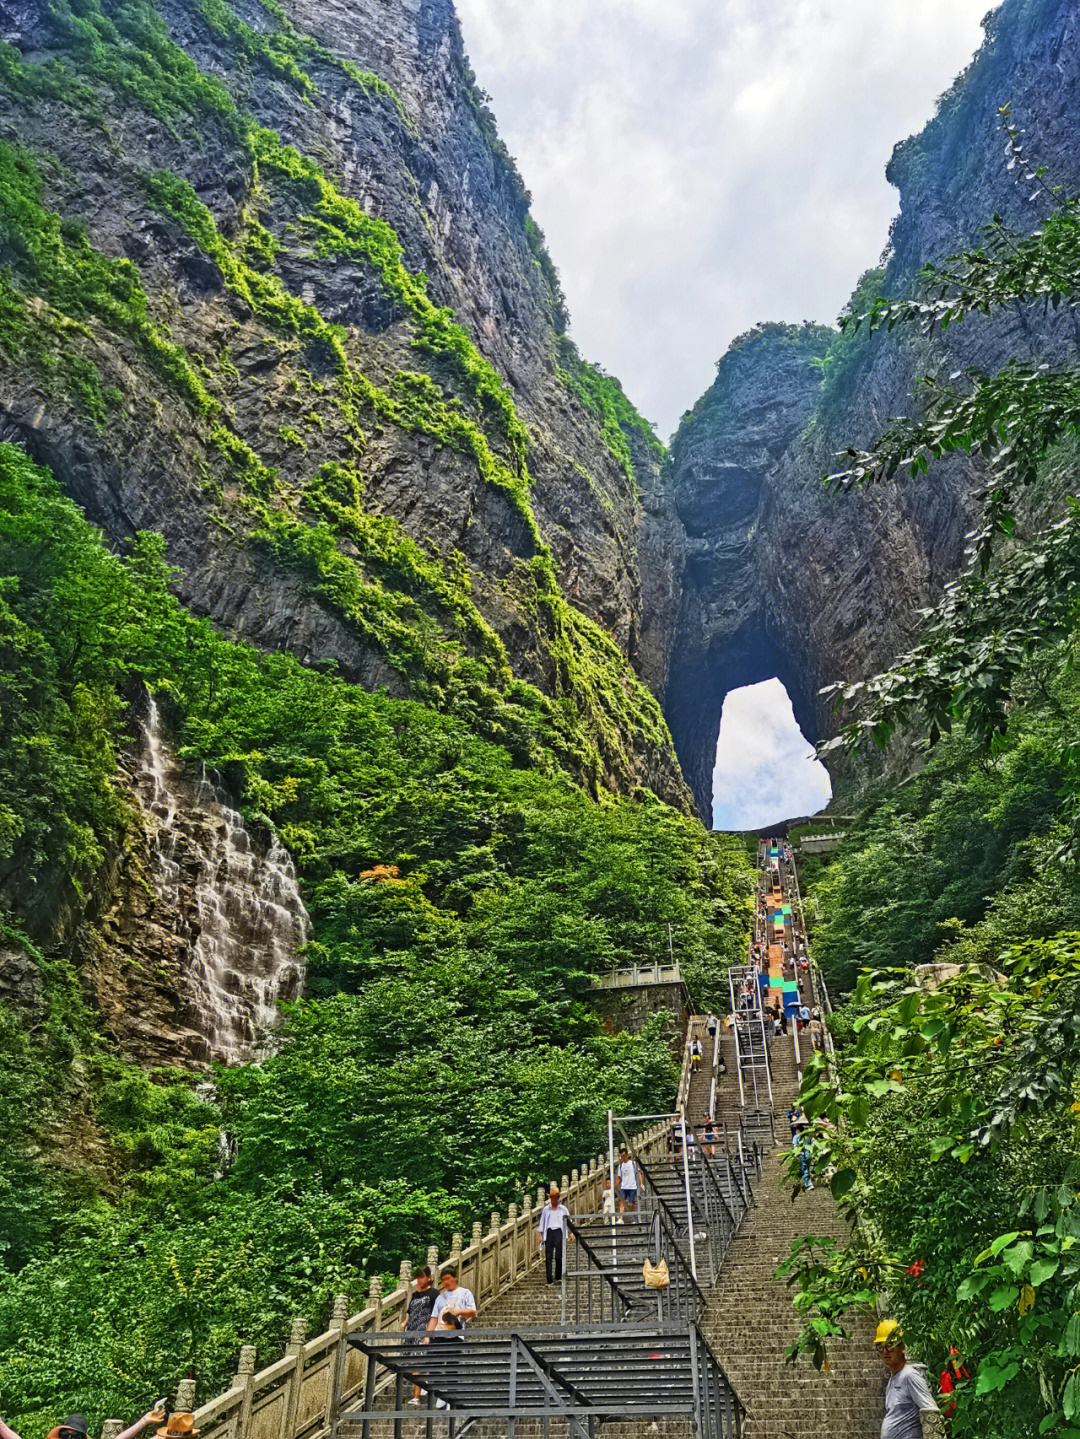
{"x": 765, "y": 770}
{"x": 699, "y": 165}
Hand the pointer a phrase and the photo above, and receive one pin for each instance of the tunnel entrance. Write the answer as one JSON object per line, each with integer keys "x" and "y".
{"x": 765, "y": 768}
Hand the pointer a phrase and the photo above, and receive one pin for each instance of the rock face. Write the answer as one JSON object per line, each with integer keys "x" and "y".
{"x": 781, "y": 577}
{"x": 259, "y": 211}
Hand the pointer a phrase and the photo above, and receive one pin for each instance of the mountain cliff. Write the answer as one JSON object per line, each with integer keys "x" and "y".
{"x": 271, "y": 288}
{"x": 782, "y": 577}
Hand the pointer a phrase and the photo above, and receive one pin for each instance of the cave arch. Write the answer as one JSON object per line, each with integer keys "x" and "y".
{"x": 703, "y": 673}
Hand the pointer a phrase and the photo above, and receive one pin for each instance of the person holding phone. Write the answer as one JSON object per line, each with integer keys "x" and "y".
{"x": 75, "y": 1427}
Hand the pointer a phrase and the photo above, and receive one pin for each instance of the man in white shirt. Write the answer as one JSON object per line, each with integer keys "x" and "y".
{"x": 626, "y": 1180}
{"x": 453, "y": 1297}
{"x": 552, "y": 1233}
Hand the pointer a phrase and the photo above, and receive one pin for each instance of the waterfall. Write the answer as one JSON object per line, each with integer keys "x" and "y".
{"x": 230, "y": 896}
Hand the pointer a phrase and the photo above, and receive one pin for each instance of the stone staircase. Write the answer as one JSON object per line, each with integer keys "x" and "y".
{"x": 749, "y": 1321}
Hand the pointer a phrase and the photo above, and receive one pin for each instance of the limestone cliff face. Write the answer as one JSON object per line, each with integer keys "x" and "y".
{"x": 269, "y": 378}
{"x": 269, "y": 285}
{"x": 781, "y": 577}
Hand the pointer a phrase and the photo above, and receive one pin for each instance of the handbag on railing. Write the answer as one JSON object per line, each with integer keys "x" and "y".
{"x": 655, "y": 1275}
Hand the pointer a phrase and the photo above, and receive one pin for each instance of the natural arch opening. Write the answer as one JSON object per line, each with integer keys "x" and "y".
{"x": 765, "y": 769}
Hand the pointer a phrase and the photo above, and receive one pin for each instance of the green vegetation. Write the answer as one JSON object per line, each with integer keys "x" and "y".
{"x": 560, "y": 316}
{"x": 53, "y": 261}
{"x": 603, "y": 395}
{"x": 342, "y": 227}
{"x": 277, "y": 51}
{"x": 838, "y": 363}
{"x": 446, "y": 1059}
{"x": 954, "y": 1139}
{"x": 131, "y": 52}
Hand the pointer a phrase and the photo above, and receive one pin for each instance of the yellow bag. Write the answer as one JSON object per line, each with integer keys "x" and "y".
{"x": 655, "y": 1275}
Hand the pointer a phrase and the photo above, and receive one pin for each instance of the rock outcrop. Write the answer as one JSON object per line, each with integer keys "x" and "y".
{"x": 198, "y": 927}
{"x": 781, "y": 577}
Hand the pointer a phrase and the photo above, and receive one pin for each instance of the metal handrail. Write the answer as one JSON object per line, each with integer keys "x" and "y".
{"x": 734, "y": 1223}
{"x": 661, "y": 1242}
{"x": 662, "y": 1202}
{"x": 686, "y": 1074}
{"x": 587, "y": 1249}
{"x": 715, "y": 1065}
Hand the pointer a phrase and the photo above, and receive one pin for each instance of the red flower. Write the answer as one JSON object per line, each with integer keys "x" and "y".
{"x": 916, "y": 1268}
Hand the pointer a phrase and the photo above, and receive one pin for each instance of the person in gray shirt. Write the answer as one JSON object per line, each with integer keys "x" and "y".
{"x": 911, "y": 1411}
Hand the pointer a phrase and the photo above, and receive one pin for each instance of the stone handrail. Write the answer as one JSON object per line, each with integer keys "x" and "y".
{"x": 637, "y": 974}
{"x": 685, "y": 1074}
{"x": 300, "y": 1395}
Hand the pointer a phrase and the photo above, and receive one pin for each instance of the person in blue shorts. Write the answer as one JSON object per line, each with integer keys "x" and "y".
{"x": 626, "y": 1180}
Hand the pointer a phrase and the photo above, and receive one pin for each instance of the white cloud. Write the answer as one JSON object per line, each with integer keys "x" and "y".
{"x": 699, "y": 165}
{"x": 765, "y": 769}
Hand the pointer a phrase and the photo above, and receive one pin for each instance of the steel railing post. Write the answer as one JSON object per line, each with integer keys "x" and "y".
{"x": 689, "y": 1200}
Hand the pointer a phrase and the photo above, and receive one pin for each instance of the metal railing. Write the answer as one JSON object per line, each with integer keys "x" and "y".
{"x": 609, "y": 1285}
{"x": 711, "y": 1111}
{"x": 302, "y": 1393}
{"x": 578, "y": 1377}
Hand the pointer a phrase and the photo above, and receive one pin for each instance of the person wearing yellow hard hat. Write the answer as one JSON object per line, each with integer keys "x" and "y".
{"x": 911, "y": 1411}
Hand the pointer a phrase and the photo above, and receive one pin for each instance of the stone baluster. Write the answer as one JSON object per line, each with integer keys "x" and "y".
{"x": 477, "y": 1272}
{"x": 498, "y": 1249}
{"x": 528, "y": 1243}
{"x": 185, "y": 1397}
{"x": 339, "y": 1319}
{"x": 294, "y": 1350}
{"x": 111, "y": 1428}
{"x": 515, "y": 1239}
{"x": 433, "y": 1263}
{"x": 375, "y": 1301}
{"x": 244, "y": 1381}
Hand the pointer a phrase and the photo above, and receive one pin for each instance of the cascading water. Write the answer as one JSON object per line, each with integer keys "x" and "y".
{"x": 236, "y": 901}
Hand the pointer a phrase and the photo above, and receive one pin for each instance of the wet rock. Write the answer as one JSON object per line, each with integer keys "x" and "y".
{"x": 200, "y": 927}
{"x": 22, "y": 986}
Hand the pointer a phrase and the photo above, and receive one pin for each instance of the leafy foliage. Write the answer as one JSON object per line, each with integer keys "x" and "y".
{"x": 969, "y": 836}
{"x": 603, "y": 395}
{"x": 951, "y": 1133}
{"x": 448, "y": 1058}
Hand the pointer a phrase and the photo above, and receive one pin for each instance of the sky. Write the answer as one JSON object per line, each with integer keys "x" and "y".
{"x": 765, "y": 770}
{"x": 700, "y": 165}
